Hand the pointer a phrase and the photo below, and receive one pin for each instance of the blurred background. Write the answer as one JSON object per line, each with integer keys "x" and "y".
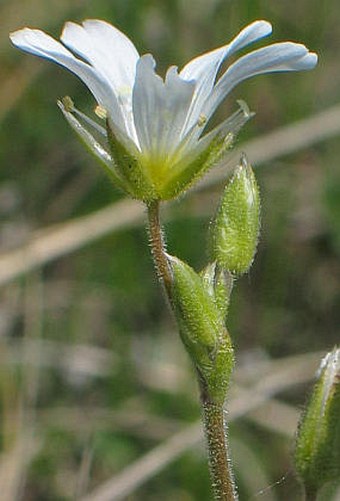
{"x": 98, "y": 400}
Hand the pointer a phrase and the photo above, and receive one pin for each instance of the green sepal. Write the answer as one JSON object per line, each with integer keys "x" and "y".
{"x": 189, "y": 172}
{"x": 130, "y": 168}
{"x": 235, "y": 229}
{"x": 219, "y": 284}
{"x": 194, "y": 306}
{"x": 93, "y": 146}
{"x": 202, "y": 328}
{"x": 218, "y": 379}
{"x": 317, "y": 449}
{"x": 211, "y": 149}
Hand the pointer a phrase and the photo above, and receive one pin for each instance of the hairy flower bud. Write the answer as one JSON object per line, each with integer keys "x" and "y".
{"x": 202, "y": 328}
{"x": 235, "y": 230}
{"x": 317, "y": 451}
{"x": 219, "y": 284}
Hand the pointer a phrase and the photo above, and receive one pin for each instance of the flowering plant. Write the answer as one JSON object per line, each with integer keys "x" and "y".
{"x": 155, "y": 143}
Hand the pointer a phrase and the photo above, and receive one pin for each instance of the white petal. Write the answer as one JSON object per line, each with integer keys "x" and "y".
{"x": 178, "y": 96}
{"x": 106, "y": 48}
{"x": 252, "y": 33}
{"x": 227, "y": 130}
{"x": 113, "y": 56}
{"x": 40, "y": 44}
{"x": 285, "y": 56}
{"x": 203, "y": 69}
{"x": 160, "y": 108}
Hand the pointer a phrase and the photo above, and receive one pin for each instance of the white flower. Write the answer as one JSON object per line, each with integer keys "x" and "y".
{"x": 158, "y": 123}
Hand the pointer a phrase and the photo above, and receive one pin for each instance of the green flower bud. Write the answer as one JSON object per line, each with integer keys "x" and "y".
{"x": 219, "y": 283}
{"x": 235, "y": 230}
{"x": 194, "y": 306}
{"x": 202, "y": 329}
{"x": 317, "y": 451}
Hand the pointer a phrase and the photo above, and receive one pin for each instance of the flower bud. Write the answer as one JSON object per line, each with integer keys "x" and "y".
{"x": 317, "y": 450}
{"x": 202, "y": 328}
{"x": 219, "y": 284}
{"x": 235, "y": 230}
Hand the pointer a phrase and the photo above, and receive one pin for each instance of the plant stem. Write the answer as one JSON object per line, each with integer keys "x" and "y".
{"x": 215, "y": 429}
{"x": 158, "y": 248}
{"x": 212, "y": 413}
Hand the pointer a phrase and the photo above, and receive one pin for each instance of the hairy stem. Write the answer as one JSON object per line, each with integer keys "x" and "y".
{"x": 212, "y": 413}
{"x": 158, "y": 246}
{"x": 215, "y": 429}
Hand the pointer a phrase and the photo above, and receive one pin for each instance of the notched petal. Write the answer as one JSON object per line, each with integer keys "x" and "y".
{"x": 278, "y": 57}
{"x": 203, "y": 69}
{"x": 160, "y": 108}
{"x": 40, "y": 44}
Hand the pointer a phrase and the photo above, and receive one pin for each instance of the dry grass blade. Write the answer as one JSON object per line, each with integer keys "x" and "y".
{"x": 52, "y": 243}
{"x": 81, "y": 360}
{"x": 255, "y": 477}
{"x": 18, "y": 420}
{"x": 276, "y": 416}
{"x": 280, "y": 376}
{"x": 284, "y": 141}
{"x": 14, "y": 464}
{"x": 149, "y": 465}
{"x": 15, "y": 84}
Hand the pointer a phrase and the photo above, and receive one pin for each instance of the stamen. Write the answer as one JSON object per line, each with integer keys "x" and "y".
{"x": 68, "y": 104}
{"x": 100, "y": 112}
{"x": 202, "y": 120}
{"x": 68, "y": 107}
{"x": 245, "y": 108}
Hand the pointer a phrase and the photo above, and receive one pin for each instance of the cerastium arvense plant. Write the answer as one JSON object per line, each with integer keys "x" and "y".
{"x": 154, "y": 144}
